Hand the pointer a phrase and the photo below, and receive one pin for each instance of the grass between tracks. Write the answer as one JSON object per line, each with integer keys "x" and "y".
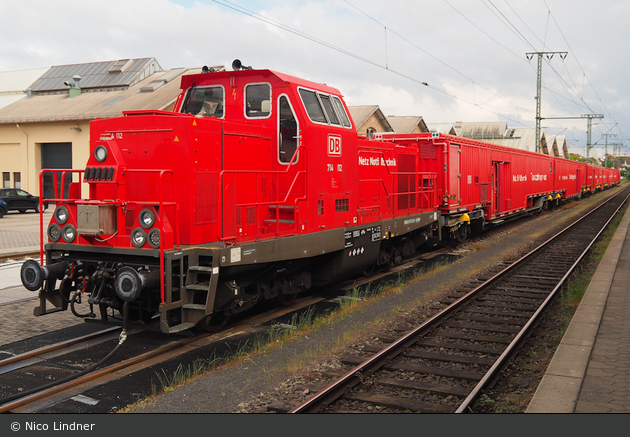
{"x": 302, "y": 324}
{"x": 299, "y": 327}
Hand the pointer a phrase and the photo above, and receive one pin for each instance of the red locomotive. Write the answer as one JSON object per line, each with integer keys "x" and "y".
{"x": 258, "y": 187}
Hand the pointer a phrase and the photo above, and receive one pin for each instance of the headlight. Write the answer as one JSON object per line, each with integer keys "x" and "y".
{"x": 138, "y": 237}
{"x": 147, "y": 218}
{"x": 68, "y": 233}
{"x": 154, "y": 238}
{"x": 54, "y": 232}
{"x": 100, "y": 153}
{"x": 61, "y": 214}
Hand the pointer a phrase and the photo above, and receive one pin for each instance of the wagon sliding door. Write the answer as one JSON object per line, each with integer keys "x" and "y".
{"x": 502, "y": 186}
{"x": 454, "y": 175}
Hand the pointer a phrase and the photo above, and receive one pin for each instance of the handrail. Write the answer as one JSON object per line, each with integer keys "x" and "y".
{"x": 162, "y": 174}
{"x": 381, "y": 154}
{"x": 161, "y": 202}
{"x": 54, "y": 199}
{"x": 423, "y": 175}
{"x": 277, "y": 202}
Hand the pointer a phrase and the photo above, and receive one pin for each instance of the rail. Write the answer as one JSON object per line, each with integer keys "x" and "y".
{"x": 380, "y": 359}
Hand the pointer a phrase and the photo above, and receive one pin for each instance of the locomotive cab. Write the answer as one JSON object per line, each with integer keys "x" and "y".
{"x": 245, "y": 192}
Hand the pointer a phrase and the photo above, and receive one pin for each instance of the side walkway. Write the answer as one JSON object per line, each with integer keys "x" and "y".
{"x": 590, "y": 371}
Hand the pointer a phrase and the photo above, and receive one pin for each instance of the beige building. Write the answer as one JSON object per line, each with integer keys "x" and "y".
{"x": 369, "y": 120}
{"x": 48, "y": 127}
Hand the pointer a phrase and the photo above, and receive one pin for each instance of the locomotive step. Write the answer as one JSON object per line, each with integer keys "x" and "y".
{"x": 289, "y": 222}
{"x": 204, "y": 269}
{"x": 196, "y": 287}
{"x": 181, "y": 327}
{"x": 194, "y": 306}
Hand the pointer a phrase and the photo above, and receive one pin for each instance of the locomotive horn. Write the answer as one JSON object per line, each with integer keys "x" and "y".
{"x": 33, "y": 274}
{"x": 129, "y": 282}
{"x": 238, "y": 65}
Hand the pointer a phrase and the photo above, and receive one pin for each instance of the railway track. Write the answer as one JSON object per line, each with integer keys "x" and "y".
{"x": 125, "y": 366}
{"x": 445, "y": 363}
{"x": 144, "y": 349}
{"x": 60, "y": 366}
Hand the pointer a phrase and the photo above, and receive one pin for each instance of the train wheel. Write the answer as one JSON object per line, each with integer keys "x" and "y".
{"x": 369, "y": 271}
{"x": 285, "y": 299}
{"x": 449, "y": 239}
{"x": 462, "y": 233}
{"x": 214, "y": 322}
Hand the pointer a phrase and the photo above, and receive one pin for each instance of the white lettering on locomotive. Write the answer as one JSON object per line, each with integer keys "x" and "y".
{"x": 334, "y": 145}
{"x": 377, "y": 161}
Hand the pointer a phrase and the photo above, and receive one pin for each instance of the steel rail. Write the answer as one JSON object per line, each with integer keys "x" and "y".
{"x": 348, "y": 380}
{"x": 45, "y": 349}
{"x": 503, "y": 358}
{"x": 99, "y": 373}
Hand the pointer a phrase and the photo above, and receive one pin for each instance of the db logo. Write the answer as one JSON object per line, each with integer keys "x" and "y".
{"x": 334, "y": 145}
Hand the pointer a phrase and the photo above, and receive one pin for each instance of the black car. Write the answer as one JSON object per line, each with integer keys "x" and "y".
{"x": 19, "y": 200}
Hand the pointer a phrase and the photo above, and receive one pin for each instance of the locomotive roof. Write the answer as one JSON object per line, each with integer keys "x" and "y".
{"x": 189, "y": 80}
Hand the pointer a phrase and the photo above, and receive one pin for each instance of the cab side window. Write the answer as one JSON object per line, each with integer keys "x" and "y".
{"x": 332, "y": 116}
{"x": 258, "y": 100}
{"x": 324, "y": 108}
{"x": 342, "y": 112}
{"x": 288, "y": 131}
{"x": 313, "y": 108}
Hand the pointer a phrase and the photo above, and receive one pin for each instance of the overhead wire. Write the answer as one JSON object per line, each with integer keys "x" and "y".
{"x": 499, "y": 14}
{"x": 252, "y": 14}
{"x": 568, "y": 88}
{"x": 585, "y": 76}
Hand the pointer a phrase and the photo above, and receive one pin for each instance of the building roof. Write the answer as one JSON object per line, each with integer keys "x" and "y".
{"x": 487, "y": 130}
{"x": 559, "y": 145}
{"x": 13, "y": 84}
{"x": 361, "y": 114}
{"x": 407, "y": 124}
{"x": 522, "y": 138}
{"x": 443, "y": 128}
{"x": 155, "y": 91}
{"x": 107, "y": 74}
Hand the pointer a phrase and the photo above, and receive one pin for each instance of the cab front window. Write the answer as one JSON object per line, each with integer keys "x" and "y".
{"x": 204, "y": 102}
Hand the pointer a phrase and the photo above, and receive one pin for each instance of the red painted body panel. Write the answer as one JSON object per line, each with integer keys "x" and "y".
{"x": 258, "y": 184}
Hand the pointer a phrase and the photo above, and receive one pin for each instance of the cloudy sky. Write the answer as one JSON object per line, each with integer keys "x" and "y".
{"x": 446, "y": 60}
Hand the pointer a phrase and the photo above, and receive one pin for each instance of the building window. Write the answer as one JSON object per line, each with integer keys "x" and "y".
{"x": 6, "y": 179}
{"x": 370, "y": 132}
{"x": 17, "y": 180}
